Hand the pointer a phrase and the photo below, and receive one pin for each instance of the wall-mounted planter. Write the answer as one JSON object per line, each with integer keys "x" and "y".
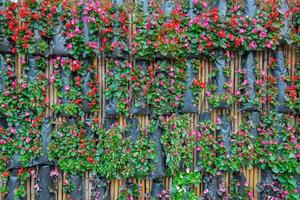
{"x": 225, "y": 132}
{"x": 157, "y": 187}
{"x": 2, "y": 69}
{"x": 160, "y": 165}
{"x": 12, "y": 184}
{"x": 254, "y": 121}
{"x": 266, "y": 184}
{"x": 250, "y": 8}
{"x": 5, "y": 46}
{"x": 249, "y": 66}
{"x": 240, "y": 178}
{"x": 222, "y": 6}
{"x": 32, "y": 73}
{"x": 145, "y": 5}
{"x": 285, "y": 30}
{"x": 188, "y": 105}
{"x": 78, "y": 191}
{"x": 100, "y": 188}
{"x": 85, "y": 87}
{"x": 219, "y": 80}
{"x": 133, "y": 131}
{"x": 280, "y": 72}
{"x": 139, "y": 105}
{"x": 109, "y": 121}
{"x": 59, "y": 43}
{"x": 46, "y": 138}
{"x": 45, "y": 183}
{"x": 212, "y": 186}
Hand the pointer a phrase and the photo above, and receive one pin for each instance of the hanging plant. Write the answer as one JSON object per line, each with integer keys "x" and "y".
{"x": 117, "y": 77}
{"x": 31, "y": 24}
{"x": 182, "y": 185}
{"x": 73, "y": 150}
{"x": 69, "y": 78}
{"x": 220, "y": 95}
{"x": 129, "y": 192}
{"x": 23, "y": 106}
{"x": 259, "y": 87}
{"x": 177, "y": 141}
{"x": 119, "y": 158}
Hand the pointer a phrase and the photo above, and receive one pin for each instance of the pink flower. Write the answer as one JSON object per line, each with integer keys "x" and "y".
{"x": 24, "y": 85}
{"x": 253, "y": 45}
{"x": 6, "y": 93}
{"x": 242, "y": 30}
{"x": 54, "y": 173}
{"x": 66, "y": 182}
{"x": 69, "y": 46}
{"x": 67, "y": 88}
{"x": 2, "y": 141}
{"x": 269, "y": 44}
{"x": 208, "y": 94}
{"x": 262, "y": 34}
{"x": 37, "y": 187}
{"x": 27, "y": 114}
{"x": 218, "y": 120}
{"x": 205, "y": 191}
{"x": 27, "y": 140}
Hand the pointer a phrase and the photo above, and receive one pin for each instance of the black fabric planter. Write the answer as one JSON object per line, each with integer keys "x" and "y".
{"x": 100, "y": 188}
{"x": 203, "y": 117}
{"x": 86, "y": 88}
{"x": 5, "y": 46}
{"x": 157, "y": 187}
{"x": 14, "y": 163}
{"x": 222, "y": 6}
{"x": 219, "y": 80}
{"x": 280, "y": 72}
{"x": 285, "y": 30}
{"x": 12, "y": 184}
{"x": 109, "y": 121}
{"x": 88, "y": 127}
{"x": 267, "y": 178}
{"x": 143, "y": 108}
{"x": 188, "y": 105}
{"x": 32, "y": 68}
{"x": 250, "y": 8}
{"x": 46, "y": 139}
{"x": 145, "y": 5}
{"x": 167, "y": 6}
{"x": 211, "y": 187}
{"x": 134, "y": 130}
{"x": 111, "y": 107}
{"x": 59, "y": 42}
{"x": 78, "y": 192}
{"x": 46, "y": 184}
{"x": 254, "y": 120}
{"x": 2, "y": 68}
{"x": 160, "y": 165}
{"x": 225, "y": 132}
{"x": 240, "y": 178}
{"x": 249, "y": 66}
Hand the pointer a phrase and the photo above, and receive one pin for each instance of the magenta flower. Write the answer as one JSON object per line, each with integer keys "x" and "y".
{"x": 253, "y": 45}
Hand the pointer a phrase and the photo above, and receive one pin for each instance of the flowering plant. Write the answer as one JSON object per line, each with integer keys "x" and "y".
{"x": 162, "y": 85}
{"x": 178, "y": 144}
{"x": 23, "y": 106}
{"x": 76, "y": 83}
{"x": 293, "y": 92}
{"x": 73, "y": 149}
{"x": 226, "y": 97}
{"x": 120, "y": 158}
{"x": 259, "y": 86}
{"x": 129, "y": 193}
{"x": 117, "y": 77}
{"x": 31, "y": 24}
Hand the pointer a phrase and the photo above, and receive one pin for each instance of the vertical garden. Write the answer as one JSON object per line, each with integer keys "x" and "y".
{"x": 150, "y": 99}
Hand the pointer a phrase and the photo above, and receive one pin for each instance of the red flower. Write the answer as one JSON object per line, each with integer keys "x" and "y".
{"x": 222, "y": 34}
{"x": 90, "y": 159}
